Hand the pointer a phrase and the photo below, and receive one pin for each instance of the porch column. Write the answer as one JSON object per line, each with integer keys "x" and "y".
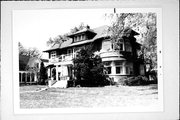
{"x": 56, "y": 72}
{"x": 30, "y": 78}
{"x": 26, "y": 77}
{"x": 21, "y": 77}
{"x": 35, "y": 77}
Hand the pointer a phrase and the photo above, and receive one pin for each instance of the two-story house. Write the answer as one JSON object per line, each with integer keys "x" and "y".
{"x": 119, "y": 62}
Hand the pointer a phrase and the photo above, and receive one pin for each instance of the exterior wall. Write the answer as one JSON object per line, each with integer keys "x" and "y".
{"x": 120, "y": 64}
{"x": 118, "y": 69}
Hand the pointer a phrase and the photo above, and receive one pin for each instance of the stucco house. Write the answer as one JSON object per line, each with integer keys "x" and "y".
{"x": 29, "y": 68}
{"x": 119, "y": 62}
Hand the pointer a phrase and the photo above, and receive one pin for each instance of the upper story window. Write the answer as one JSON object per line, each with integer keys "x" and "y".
{"x": 128, "y": 46}
{"x": 53, "y": 54}
{"x": 69, "y": 51}
{"x": 121, "y": 44}
{"x": 75, "y": 38}
{"x": 106, "y": 45}
{"x": 37, "y": 65}
{"x": 79, "y": 37}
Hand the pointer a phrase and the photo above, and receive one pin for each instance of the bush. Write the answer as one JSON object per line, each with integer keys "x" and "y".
{"x": 88, "y": 70}
{"x": 136, "y": 81}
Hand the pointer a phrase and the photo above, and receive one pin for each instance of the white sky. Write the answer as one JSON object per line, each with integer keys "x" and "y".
{"x": 33, "y": 28}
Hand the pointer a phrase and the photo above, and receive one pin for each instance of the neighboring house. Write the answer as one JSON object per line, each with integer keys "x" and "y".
{"x": 121, "y": 62}
{"x": 29, "y": 68}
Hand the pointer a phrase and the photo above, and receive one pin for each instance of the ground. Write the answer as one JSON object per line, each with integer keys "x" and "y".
{"x": 110, "y": 96}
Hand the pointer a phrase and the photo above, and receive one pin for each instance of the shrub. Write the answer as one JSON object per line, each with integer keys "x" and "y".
{"x": 88, "y": 69}
{"x": 136, "y": 81}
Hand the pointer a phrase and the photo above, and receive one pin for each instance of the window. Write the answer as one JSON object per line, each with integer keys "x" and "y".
{"x": 83, "y": 37}
{"x": 107, "y": 65}
{"x": 37, "y": 65}
{"x": 129, "y": 68}
{"x": 118, "y": 70}
{"x": 53, "y": 54}
{"x": 119, "y": 67}
{"x": 78, "y": 37}
{"x": 69, "y": 51}
{"x": 108, "y": 70}
{"x": 128, "y": 47}
{"x": 121, "y": 46}
{"x": 120, "y": 43}
{"x": 75, "y": 38}
{"x": 106, "y": 45}
{"x": 118, "y": 62}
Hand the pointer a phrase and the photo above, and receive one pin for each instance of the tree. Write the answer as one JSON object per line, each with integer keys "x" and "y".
{"x": 143, "y": 23}
{"x": 31, "y": 52}
{"x": 62, "y": 38}
{"x": 76, "y": 29}
{"x": 57, "y": 40}
{"x": 89, "y": 69}
{"x": 43, "y": 74}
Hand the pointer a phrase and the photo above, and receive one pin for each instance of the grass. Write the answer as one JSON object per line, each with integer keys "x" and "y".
{"x": 110, "y": 96}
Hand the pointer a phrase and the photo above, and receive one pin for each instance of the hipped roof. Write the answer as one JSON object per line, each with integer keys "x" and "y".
{"x": 100, "y": 32}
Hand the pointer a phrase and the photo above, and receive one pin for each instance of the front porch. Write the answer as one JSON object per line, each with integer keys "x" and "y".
{"x": 59, "y": 74}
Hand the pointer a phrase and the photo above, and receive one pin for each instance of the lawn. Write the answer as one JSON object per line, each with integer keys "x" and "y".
{"x": 110, "y": 96}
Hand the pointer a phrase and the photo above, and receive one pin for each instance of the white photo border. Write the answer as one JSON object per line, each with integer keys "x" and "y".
{"x": 158, "y": 108}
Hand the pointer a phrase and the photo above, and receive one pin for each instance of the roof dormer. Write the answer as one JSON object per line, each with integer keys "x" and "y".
{"x": 84, "y": 34}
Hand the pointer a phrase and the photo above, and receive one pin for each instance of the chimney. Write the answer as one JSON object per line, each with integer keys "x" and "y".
{"x": 88, "y": 27}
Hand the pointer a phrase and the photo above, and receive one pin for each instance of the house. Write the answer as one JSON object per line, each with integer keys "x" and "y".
{"x": 29, "y": 68}
{"x": 119, "y": 62}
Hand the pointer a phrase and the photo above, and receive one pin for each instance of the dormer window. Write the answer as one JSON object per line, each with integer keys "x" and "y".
{"x": 79, "y": 37}
{"x": 75, "y": 38}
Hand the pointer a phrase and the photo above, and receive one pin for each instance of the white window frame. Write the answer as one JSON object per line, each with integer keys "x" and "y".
{"x": 119, "y": 65}
{"x": 121, "y": 42}
{"x": 53, "y": 54}
{"x": 110, "y": 47}
{"x": 107, "y": 66}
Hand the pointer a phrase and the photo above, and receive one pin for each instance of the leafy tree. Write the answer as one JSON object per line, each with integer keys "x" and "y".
{"x": 76, "y": 29}
{"x": 143, "y": 23}
{"x": 57, "y": 40}
{"x": 43, "y": 74}
{"x": 89, "y": 69}
{"x": 31, "y": 52}
{"x": 62, "y": 38}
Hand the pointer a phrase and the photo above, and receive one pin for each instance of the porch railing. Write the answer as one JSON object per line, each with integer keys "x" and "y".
{"x": 64, "y": 57}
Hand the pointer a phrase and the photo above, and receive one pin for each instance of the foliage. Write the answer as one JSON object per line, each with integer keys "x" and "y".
{"x": 135, "y": 81}
{"x": 143, "y": 23}
{"x": 57, "y": 40}
{"x": 43, "y": 74}
{"x": 76, "y": 29}
{"x": 31, "y": 52}
{"x": 89, "y": 69}
{"x": 62, "y": 38}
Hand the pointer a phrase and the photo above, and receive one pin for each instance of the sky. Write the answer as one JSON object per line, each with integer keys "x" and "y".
{"x": 33, "y": 28}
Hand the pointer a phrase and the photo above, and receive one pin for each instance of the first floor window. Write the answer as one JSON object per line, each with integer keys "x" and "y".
{"x": 108, "y": 70}
{"x": 129, "y": 70}
{"x": 118, "y": 70}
